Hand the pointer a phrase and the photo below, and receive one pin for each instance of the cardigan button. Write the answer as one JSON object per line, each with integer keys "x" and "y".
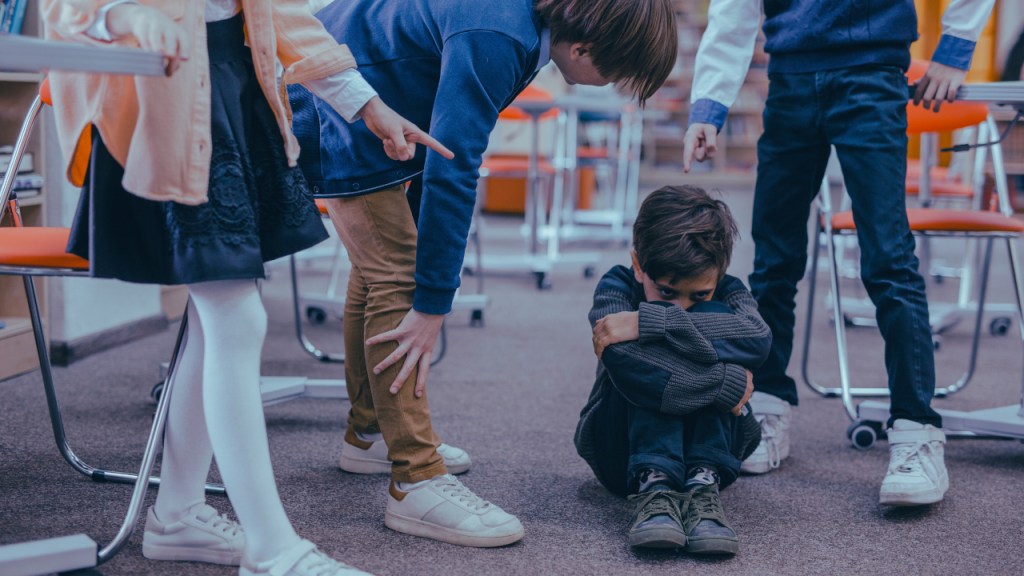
{"x": 355, "y": 186}
{"x": 316, "y": 189}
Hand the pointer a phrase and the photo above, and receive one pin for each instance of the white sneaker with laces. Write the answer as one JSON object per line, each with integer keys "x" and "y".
{"x": 917, "y": 472}
{"x": 304, "y": 559}
{"x": 202, "y": 535}
{"x": 361, "y": 457}
{"x": 443, "y": 509}
{"x": 774, "y": 414}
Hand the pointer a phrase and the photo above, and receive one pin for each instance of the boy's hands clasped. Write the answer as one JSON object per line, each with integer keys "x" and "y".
{"x": 625, "y": 326}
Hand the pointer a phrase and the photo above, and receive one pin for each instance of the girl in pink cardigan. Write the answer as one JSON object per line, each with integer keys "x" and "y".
{"x": 191, "y": 179}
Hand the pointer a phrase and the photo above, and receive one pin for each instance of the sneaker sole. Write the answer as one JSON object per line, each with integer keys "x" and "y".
{"x": 914, "y": 498}
{"x": 183, "y": 554}
{"x": 366, "y": 466}
{"x": 713, "y": 546}
{"x": 762, "y": 466}
{"x": 415, "y": 527}
{"x": 658, "y": 538}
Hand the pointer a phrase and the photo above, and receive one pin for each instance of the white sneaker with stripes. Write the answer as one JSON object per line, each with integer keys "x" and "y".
{"x": 443, "y": 509}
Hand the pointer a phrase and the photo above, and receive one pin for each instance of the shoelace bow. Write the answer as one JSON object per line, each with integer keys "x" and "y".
{"x": 769, "y": 429}
{"x": 657, "y": 503}
{"x": 906, "y": 457}
{"x": 463, "y": 494}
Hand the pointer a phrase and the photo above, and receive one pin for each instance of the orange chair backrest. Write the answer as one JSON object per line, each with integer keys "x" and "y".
{"x": 44, "y": 92}
{"x": 951, "y": 116}
{"x": 530, "y": 93}
{"x": 80, "y": 163}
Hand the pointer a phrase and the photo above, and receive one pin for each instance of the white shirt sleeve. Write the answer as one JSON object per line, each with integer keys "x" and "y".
{"x": 723, "y": 58}
{"x": 962, "y": 23}
{"x": 347, "y": 92}
{"x": 98, "y": 30}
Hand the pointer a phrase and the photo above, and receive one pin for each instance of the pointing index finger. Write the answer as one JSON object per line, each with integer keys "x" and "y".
{"x": 429, "y": 141}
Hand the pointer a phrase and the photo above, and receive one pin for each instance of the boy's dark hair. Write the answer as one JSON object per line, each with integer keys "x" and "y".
{"x": 633, "y": 40}
{"x": 682, "y": 232}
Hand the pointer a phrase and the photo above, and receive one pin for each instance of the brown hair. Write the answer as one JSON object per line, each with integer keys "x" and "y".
{"x": 632, "y": 41}
{"x": 682, "y": 232}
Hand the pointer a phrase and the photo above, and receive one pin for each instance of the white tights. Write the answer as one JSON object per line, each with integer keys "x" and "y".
{"x": 216, "y": 408}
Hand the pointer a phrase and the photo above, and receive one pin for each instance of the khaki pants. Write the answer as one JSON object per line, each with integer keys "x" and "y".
{"x": 378, "y": 231}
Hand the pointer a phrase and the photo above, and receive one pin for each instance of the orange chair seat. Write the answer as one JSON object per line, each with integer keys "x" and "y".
{"x": 914, "y": 170}
{"x": 508, "y": 166}
{"x": 592, "y": 153}
{"x": 941, "y": 188}
{"x": 321, "y": 205}
{"x": 38, "y": 248}
{"x": 930, "y": 220}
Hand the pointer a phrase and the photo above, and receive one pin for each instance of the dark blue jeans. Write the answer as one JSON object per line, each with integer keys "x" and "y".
{"x": 633, "y": 439}
{"x": 862, "y": 112}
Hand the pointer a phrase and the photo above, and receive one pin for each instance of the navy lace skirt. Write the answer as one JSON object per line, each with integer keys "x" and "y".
{"x": 259, "y": 208}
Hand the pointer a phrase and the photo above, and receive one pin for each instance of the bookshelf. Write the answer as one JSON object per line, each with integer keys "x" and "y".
{"x": 17, "y": 91}
{"x": 736, "y": 160}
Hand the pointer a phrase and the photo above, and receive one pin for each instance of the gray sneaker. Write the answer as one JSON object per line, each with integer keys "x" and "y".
{"x": 658, "y": 518}
{"x": 706, "y": 529}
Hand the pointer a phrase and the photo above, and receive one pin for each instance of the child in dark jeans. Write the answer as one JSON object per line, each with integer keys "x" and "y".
{"x": 667, "y": 423}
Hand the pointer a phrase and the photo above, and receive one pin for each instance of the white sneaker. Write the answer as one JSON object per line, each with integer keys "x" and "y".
{"x": 774, "y": 414}
{"x": 443, "y": 509}
{"x": 304, "y": 559}
{"x": 361, "y": 457}
{"x": 917, "y": 473}
{"x": 203, "y": 535}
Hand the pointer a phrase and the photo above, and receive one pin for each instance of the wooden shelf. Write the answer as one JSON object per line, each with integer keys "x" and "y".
{"x": 22, "y": 76}
{"x": 14, "y": 326}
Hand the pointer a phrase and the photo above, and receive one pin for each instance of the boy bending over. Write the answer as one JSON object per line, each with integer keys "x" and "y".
{"x": 667, "y": 423}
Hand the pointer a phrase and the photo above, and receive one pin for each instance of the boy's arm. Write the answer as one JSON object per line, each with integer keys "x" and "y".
{"x": 653, "y": 375}
{"x": 719, "y": 70}
{"x": 962, "y": 23}
{"x": 729, "y": 330}
{"x": 479, "y": 73}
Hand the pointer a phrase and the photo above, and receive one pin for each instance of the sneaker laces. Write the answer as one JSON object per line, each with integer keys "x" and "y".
{"x": 218, "y": 523}
{"x": 770, "y": 428}
{"x": 905, "y": 458}
{"x": 657, "y": 503}
{"x": 449, "y": 485}
{"x": 705, "y": 505}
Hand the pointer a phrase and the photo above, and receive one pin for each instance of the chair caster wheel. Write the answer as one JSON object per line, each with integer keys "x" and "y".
{"x": 476, "y": 319}
{"x": 936, "y": 342}
{"x": 939, "y": 279}
{"x": 467, "y": 271}
{"x": 316, "y": 315}
{"x": 156, "y": 392}
{"x": 589, "y": 272}
{"x": 1000, "y": 326}
{"x": 862, "y": 434}
{"x": 542, "y": 282}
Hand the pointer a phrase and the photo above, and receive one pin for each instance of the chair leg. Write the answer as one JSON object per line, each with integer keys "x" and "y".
{"x": 57, "y": 421}
{"x": 837, "y": 310}
{"x": 813, "y": 283}
{"x": 1011, "y": 247}
{"x": 983, "y": 289}
{"x": 300, "y": 332}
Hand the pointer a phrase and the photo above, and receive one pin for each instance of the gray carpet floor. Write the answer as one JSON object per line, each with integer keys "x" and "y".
{"x": 510, "y": 393}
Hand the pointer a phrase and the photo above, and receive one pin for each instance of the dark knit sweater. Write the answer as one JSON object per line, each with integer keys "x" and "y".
{"x": 684, "y": 360}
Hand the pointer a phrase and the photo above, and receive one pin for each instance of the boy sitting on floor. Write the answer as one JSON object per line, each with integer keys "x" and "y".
{"x": 667, "y": 423}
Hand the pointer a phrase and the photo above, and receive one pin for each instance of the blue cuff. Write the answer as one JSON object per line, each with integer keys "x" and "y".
{"x": 955, "y": 52}
{"x": 430, "y": 301}
{"x": 707, "y": 111}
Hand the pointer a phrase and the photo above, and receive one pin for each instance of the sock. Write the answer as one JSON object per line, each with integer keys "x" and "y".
{"x": 234, "y": 324}
{"x": 370, "y": 437}
{"x": 406, "y": 486}
{"x": 701, "y": 476}
{"x": 650, "y": 478}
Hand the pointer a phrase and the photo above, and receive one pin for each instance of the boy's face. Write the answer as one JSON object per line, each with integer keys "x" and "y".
{"x": 684, "y": 293}
{"x": 573, "y": 61}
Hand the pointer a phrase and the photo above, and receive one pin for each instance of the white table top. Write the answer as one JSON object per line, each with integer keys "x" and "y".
{"x": 28, "y": 54}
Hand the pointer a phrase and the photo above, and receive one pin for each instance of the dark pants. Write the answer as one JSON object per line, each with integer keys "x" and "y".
{"x": 862, "y": 111}
{"x": 632, "y": 439}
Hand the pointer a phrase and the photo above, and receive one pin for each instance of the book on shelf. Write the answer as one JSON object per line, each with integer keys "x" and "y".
{"x": 27, "y": 182}
{"x": 12, "y": 15}
{"x": 7, "y": 152}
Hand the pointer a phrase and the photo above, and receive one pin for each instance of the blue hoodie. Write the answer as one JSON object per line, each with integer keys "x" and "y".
{"x": 449, "y": 66}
